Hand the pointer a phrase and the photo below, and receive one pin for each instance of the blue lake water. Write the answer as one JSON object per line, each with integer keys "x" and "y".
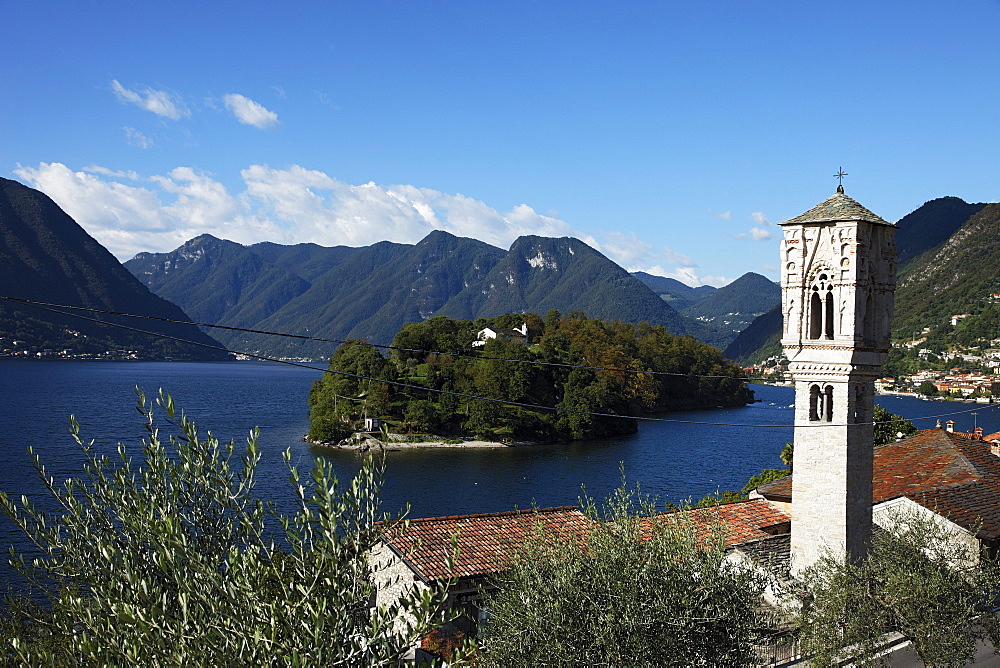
{"x": 671, "y": 460}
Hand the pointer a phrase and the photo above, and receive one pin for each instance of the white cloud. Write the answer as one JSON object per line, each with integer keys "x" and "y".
{"x": 688, "y": 276}
{"x": 135, "y": 138}
{"x": 762, "y": 231}
{"x": 129, "y": 213}
{"x": 160, "y": 102}
{"x": 249, "y": 112}
{"x": 725, "y": 215}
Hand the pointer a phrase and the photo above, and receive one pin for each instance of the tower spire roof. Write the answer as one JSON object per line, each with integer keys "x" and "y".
{"x": 838, "y": 208}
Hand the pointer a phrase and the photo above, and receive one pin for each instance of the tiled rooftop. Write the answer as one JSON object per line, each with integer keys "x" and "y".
{"x": 953, "y": 475}
{"x": 741, "y": 521}
{"x": 840, "y": 207}
{"x": 484, "y": 541}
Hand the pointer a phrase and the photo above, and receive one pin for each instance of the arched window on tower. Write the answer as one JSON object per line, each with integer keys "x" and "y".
{"x": 815, "y": 315}
{"x": 829, "y": 313}
{"x": 828, "y": 403}
{"x": 821, "y": 309}
{"x": 815, "y": 403}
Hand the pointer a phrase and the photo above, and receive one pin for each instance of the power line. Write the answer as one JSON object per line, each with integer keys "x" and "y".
{"x": 45, "y": 307}
{"x": 304, "y": 337}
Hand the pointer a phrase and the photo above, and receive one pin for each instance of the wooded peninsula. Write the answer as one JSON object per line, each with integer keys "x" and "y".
{"x": 577, "y": 364}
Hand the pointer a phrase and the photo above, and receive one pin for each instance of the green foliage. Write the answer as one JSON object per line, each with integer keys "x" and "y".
{"x": 765, "y": 476}
{"x": 640, "y": 589}
{"x": 620, "y": 383}
{"x": 889, "y": 426}
{"x": 166, "y": 559}
{"x": 339, "y": 402}
{"x": 787, "y": 454}
{"x": 921, "y": 579}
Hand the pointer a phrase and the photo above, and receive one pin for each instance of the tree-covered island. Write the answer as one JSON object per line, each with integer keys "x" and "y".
{"x": 570, "y": 362}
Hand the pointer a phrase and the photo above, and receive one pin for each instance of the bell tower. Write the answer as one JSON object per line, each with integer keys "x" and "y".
{"x": 838, "y": 274}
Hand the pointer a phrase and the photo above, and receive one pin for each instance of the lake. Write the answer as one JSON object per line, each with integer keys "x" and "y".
{"x": 671, "y": 460}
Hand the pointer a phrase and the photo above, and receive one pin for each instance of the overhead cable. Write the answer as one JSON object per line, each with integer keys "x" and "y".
{"x": 46, "y": 307}
{"x": 354, "y": 342}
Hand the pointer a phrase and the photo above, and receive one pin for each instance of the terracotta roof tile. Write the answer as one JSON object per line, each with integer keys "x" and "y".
{"x": 484, "y": 541}
{"x": 953, "y": 475}
{"x": 742, "y": 521}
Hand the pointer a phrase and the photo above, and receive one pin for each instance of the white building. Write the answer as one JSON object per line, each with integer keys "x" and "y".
{"x": 838, "y": 276}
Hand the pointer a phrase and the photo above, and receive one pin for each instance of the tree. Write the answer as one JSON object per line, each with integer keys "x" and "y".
{"x": 927, "y": 388}
{"x": 639, "y": 589}
{"x": 921, "y": 579}
{"x": 170, "y": 562}
{"x": 889, "y": 426}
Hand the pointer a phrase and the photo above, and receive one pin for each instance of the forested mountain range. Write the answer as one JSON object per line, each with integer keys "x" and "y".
{"x": 672, "y": 291}
{"x": 46, "y": 256}
{"x": 949, "y": 254}
{"x": 370, "y": 292}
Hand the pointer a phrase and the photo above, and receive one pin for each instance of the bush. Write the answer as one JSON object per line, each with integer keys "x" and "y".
{"x": 920, "y": 579}
{"x": 170, "y": 562}
{"x": 635, "y": 591}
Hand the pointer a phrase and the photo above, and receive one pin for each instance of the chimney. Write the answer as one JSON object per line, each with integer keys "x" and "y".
{"x": 950, "y": 425}
{"x": 995, "y": 446}
{"x": 978, "y": 434}
{"x": 938, "y": 426}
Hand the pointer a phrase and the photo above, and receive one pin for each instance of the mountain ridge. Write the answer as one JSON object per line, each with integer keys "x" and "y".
{"x": 369, "y": 292}
{"x": 46, "y": 256}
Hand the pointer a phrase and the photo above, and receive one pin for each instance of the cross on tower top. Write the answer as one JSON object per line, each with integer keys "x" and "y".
{"x": 840, "y": 179}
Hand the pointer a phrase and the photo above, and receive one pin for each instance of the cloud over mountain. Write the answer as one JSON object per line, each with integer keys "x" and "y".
{"x": 131, "y": 213}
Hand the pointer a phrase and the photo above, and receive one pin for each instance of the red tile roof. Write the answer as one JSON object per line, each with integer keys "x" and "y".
{"x": 485, "y": 542}
{"x": 740, "y": 521}
{"x": 953, "y": 475}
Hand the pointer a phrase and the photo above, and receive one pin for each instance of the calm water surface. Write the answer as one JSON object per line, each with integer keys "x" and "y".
{"x": 672, "y": 460}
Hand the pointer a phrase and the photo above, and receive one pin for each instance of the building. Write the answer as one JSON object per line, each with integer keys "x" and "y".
{"x": 416, "y": 554}
{"x": 838, "y": 277}
{"x": 954, "y": 475}
{"x": 518, "y": 334}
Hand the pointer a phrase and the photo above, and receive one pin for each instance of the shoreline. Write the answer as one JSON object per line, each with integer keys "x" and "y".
{"x": 366, "y": 442}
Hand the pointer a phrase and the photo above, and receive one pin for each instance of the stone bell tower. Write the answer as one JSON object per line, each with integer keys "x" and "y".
{"x": 838, "y": 274}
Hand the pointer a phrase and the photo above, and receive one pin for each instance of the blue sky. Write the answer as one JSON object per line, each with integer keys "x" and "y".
{"x": 670, "y": 135}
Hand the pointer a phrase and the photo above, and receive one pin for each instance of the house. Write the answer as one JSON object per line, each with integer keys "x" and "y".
{"x": 416, "y": 554}
{"x": 954, "y": 475}
{"x": 519, "y": 334}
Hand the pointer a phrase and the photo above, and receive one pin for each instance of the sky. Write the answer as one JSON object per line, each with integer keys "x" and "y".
{"x": 672, "y": 136}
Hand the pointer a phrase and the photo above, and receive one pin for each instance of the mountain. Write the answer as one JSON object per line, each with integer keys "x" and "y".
{"x": 930, "y": 225}
{"x": 672, "y": 291}
{"x": 761, "y": 338}
{"x": 731, "y": 308}
{"x": 369, "y": 292}
{"x": 958, "y": 276}
{"x": 46, "y": 256}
